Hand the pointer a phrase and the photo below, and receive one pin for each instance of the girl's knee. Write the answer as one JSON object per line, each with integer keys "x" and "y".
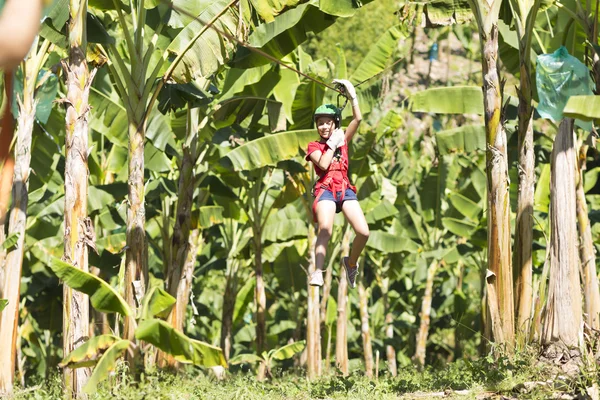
{"x": 363, "y": 232}
{"x": 325, "y": 231}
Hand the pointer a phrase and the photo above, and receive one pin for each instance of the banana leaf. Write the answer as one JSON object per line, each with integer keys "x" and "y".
{"x": 269, "y": 9}
{"x": 89, "y": 352}
{"x": 389, "y": 243}
{"x": 541, "y": 199}
{"x": 245, "y": 358}
{"x": 209, "y": 216}
{"x": 465, "y": 139}
{"x": 378, "y": 57}
{"x": 102, "y": 296}
{"x": 106, "y": 364}
{"x": 459, "y": 227}
{"x": 449, "y": 100}
{"x": 268, "y": 150}
{"x": 181, "y": 347}
{"x": 3, "y": 304}
{"x": 283, "y": 35}
{"x": 586, "y": 108}
{"x": 157, "y": 303}
{"x": 465, "y": 206}
{"x": 211, "y": 50}
{"x": 445, "y": 12}
{"x": 287, "y": 351}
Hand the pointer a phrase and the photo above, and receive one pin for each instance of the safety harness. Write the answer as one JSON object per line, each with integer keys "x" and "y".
{"x": 335, "y": 179}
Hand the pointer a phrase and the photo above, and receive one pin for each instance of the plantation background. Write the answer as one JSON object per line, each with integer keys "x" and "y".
{"x": 198, "y": 222}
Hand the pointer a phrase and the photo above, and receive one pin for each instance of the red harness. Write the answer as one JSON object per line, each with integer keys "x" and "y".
{"x": 327, "y": 181}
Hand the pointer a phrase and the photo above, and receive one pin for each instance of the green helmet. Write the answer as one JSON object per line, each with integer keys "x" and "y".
{"x": 328, "y": 110}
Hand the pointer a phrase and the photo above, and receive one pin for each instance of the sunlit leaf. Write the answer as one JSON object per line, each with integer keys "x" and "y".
{"x": 106, "y": 364}
{"x": 89, "y": 352}
{"x": 288, "y": 351}
{"x": 102, "y": 296}
{"x": 449, "y": 100}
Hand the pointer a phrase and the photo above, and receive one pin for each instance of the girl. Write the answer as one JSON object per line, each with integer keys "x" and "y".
{"x": 333, "y": 191}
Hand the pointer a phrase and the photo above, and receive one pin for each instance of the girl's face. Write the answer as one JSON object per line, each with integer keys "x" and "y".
{"x": 325, "y": 126}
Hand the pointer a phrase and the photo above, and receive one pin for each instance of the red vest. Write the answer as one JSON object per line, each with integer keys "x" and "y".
{"x": 335, "y": 178}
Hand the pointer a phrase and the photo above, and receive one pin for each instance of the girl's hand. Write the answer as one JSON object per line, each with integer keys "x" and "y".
{"x": 336, "y": 139}
{"x": 350, "y": 90}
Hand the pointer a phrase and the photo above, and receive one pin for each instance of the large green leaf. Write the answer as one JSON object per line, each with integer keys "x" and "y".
{"x": 541, "y": 201}
{"x": 459, "y": 227}
{"x": 341, "y": 8}
{"x": 287, "y": 351}
{"x": 243, "y": 298}
{"x": 245, "y": 358}
{"x": 283, "y": 35}
{"x": 465, "y": 206}
{"x": 181, "y": 347}
{"x": 464, "y": 139}
{"x": 157, "y": 303}
{"x": 447, "y": 12}
{"x": 211, "y": 50}
{"x": 89, "y": 352}
{"x": 389, "y": 243}
{"x": 586, "y": 108}
{"x": 210, "y": 216}
{"x": 378, "y": 57}
{"x": 106, "y": 364}
{"x": 382, "y": 211}
{"x": 268, "y": 150}
{"x": 269, "y": 9}
{"x": 102, "y": 296}
{"x": 449, "y": 100}
{"x": 591, "y": 178}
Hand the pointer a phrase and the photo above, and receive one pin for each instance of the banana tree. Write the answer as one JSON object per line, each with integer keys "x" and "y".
{"x": 35, "y": 89}
{"x": 104, "y": 351}
{"x": 486, "y": 15}
{"x": 135, "y": 68}
{"x": 79, "y": 231}
{"x": 524, "y": 13}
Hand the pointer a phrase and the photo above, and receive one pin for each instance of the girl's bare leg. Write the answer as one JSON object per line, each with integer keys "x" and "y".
{"x": 356, "y": 218}
{"x": 325, "y": 216}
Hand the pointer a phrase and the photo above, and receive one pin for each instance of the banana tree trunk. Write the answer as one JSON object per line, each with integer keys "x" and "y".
{"x": 563, "y": 320}
{"x": 79, "y": 231}
{"x": 499, "y": 236}
{"x": 586, "y": 249}
{"x": 363, "y": 301}
{"x": 313, "y": 325}
{"x": 524, "y": 228}
{"x": 10, "y": 288}
{"x": 425, "y": 315}
{"x": 185, "y": 283}
{"x": 261, "y": 302}
{"x": 389, "y": 327}
{"x": 136, "y": 269}
{"x": 341, "y": 333}
{"x": 229, "y": 298}
{"x": 179, "y": 270}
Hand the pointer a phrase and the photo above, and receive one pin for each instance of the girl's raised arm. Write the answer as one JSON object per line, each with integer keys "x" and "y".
{"x": 356, "y": 114}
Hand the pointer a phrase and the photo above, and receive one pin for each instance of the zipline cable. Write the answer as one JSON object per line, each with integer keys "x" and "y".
{"x": 337, "y": 88}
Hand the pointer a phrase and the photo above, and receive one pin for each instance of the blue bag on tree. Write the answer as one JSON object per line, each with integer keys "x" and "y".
{"x": 559, "y": 76}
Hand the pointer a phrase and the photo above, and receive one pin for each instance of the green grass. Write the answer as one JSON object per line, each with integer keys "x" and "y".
{"x": 495, "y": 375}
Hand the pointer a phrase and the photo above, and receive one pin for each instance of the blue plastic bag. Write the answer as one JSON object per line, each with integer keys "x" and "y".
{"x": 559, "y": 76}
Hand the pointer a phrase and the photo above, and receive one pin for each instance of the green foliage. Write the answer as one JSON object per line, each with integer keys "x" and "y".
{"x": 3, "y": 304}
{"x": 102, "y": 296}
{"x": 181, "y": 347}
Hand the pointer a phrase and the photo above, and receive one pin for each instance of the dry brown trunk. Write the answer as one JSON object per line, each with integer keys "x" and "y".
{"x": 425, "y": 315}
{"x": 586, "y": 250}
{"x": 341, "y": 333}
{"x": 136, "y": 272}
{"x": 79, "y": 231}
{"x": 563, "y": 319}
{"x": 524, "y": 228}
{"x": 313, "y": 325}
{"x": 499, "y": 236}
{"x": 228, "y": 308}
{"x": 363, "y": 300}
{"x": 390, "y": 352}
{"x": 10, "y": 288}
